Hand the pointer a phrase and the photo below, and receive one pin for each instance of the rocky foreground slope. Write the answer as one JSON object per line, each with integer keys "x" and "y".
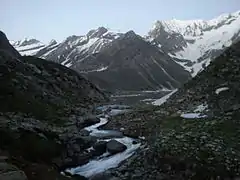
{"x": 194, "y": 135}
{"x": 44, "y": 106}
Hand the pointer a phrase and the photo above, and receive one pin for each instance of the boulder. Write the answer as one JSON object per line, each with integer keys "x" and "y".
{"x": 91, "y": 121}
{"x": 87, "y": 121}
{"x": 11, "y": 172}
{"x": 84, "y": 132}
{"x": 14, "y": 175}
{"x": 100, "y": 147}
{"x": 114, "y": 147}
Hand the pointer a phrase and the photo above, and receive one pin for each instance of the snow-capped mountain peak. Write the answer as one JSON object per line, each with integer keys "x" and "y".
{"x": 76, "y": 48}
{"x": 195, "y": 27}
{"x": 53, "y": 41}
{"x": 196, "y": 41}
{"x": 28, "y": 46}
{"x": 26, "y": 42}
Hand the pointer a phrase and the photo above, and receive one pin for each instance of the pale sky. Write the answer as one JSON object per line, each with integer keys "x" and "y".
{"x": 58, "y": 19}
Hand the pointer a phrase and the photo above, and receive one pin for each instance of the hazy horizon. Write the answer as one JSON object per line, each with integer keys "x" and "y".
{"x": 46, "y": 20}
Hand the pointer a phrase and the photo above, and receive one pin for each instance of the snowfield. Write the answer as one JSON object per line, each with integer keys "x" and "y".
{"x": 202, "y": 37}
{"x": 221, "y": 89}
{"x": 162, "y": 100}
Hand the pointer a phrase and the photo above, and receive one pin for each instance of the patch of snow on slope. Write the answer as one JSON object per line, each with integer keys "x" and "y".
{"x": 94, "y": 43}
{"x": 162, "y": 100}
{"x": 96, "y": 70}
{"x": 30, "y": 52}
{"x": 204, "y": 36}
{"x": 212, "y": 39}
{"x": 200, "y": 108}
{"x": 67, "y": 63}
{"x": 31, "y": 46}
{"x": 221, "y": 89}
{"x": 46, "y": 54}
{"x": 192, "y": 116}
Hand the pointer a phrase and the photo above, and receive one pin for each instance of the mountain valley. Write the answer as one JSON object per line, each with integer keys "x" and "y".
{"x": 120, "y": 106}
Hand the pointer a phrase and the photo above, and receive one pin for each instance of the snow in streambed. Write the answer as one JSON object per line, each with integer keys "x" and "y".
{"x": 221, "y": 89}
{"x": 106, "y": 161}
{"x": 197, "y": 113}
{"x": 101, "y": 165}
{"x": 192, "y": 116}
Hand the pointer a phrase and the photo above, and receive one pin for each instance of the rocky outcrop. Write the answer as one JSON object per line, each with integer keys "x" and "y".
{"x": 100, "y": 147}
{"x": 105, "y": 58}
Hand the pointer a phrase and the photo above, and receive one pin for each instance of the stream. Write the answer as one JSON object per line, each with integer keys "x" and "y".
{"x": 107, "y": 161}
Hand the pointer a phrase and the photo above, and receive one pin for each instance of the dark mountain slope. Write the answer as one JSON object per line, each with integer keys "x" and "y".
{"x": 44, "y": 107}
{"x": 130, "y": 63}
{"x": 43, "y": 88}
{"x": 6, "y": 46}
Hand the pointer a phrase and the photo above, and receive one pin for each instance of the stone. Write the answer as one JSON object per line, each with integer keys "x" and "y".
{"x": 81, "y": 123}
{"x": 14, "y": 175}
{"x": 85, "y": 141}
{"x": 11, "y": 172}
{"x": 134, "y": 142}
{"x": 100, "y": 146}
{"x": 5, "y": 167}
{"x": 114, "y": 147}
{"x": 84, "y": 132}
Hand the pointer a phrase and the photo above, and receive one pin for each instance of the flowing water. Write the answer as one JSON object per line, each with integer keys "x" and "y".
{"x": 107, "y": 161}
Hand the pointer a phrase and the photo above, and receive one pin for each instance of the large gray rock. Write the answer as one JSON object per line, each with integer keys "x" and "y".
{"x": 100, "y": 147}
{"x": 114, "y": 147}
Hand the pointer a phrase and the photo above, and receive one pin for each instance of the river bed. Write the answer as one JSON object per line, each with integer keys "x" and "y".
{"x": 107, "y": 161}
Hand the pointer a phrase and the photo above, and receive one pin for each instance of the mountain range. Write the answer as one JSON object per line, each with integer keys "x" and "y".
{"x": 193, "y": 134}
{"x": 165, "y": 58}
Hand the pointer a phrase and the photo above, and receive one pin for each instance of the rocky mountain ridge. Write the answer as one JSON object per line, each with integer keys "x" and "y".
{"x": 130, "y": 57}
{"x": 194, "y": 43}
{"x": 107, "y": 58}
